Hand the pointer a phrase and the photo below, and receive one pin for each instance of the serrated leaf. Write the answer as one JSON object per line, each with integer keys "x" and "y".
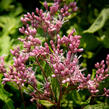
{"x": 99, "y": 22}
{"x": 9, "y": 24}
{"x": 46, "y": 103}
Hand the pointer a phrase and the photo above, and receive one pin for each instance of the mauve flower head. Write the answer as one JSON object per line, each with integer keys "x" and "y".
{"x": 106, "y": 92}
{"x": 101, "y": 75}
{"x": 2, "y": 65}
{"x": 20, "y": 77}
{"x": 50, "y": 21}
{"x": 102, "y": 70}
{"x": 107, "y": 60}
{"x": 65, "y": 67}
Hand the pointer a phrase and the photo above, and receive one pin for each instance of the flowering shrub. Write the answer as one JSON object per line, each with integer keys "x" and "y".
{"x": 60, "y": 55}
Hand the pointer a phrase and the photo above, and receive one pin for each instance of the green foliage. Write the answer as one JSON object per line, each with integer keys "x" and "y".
{"x": 48, "y": 70}
{"x": 6, "y": 5}
{"x": 9, "y": 24}
{"x": 5, "y": 97}
{"x": 46, "y": 103}
{"x": 97, "y": 106}
{"x": 55, "y": 87}
{"x": 10, "y": 13}
{"x": 99, "y": 22}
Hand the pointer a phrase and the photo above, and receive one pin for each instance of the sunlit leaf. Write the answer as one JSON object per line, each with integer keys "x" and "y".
{"x": 5, "y": 4}
{"x": 97, "y": 106}
{"x": 8, "y": 25}
{"x": 99, "y": 22}
{"x": 4, "y": 45}
{"x": 46, "y": 103}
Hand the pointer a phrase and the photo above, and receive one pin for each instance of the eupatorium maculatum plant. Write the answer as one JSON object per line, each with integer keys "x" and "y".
{"x": 59, "y": 54}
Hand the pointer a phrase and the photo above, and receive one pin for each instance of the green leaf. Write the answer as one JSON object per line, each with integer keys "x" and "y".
{"x": 89, "y": 42}
{"x": 4, "y": 96}
{"x": 80, "y": 97}
{"x": 48, "y": 3}
{"x": 5, "y": 4}
{"x": 4, "y": 45}
{"x": 97, "y": 106}
{"x": 105, "y": 39}
{"x": 18, "y": 10}
{"x": 8, "y": 25}
{"x": 93, "y": 74}
{"x": 47, "y": 70}
{"x": 55, "y": 87}
{"x": 9, "y": 104}
{"x": 99, "y": 22}
{"x": 46, "y": 103}
{"x": 1, "y": 75}
{"x": 76, "y": 97}
{"x": 41, "y": 34}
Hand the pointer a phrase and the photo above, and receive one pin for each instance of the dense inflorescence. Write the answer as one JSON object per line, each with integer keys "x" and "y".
{"x": 50, "y": 21}
{"x": 18, "y": 72}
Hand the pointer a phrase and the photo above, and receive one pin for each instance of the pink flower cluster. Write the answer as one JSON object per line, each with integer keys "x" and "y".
{"x": 51, "y": 20}
{"x": 2, "y": 65}
{"x": 19, "y": 73}
{"x": 101, "y": 74}
{"x": 106, "y": 92}
{"x": 67, "y": 67}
